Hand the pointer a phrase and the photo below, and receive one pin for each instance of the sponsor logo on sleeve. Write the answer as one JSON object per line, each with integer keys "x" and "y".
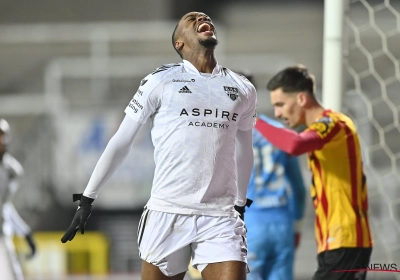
{"x": 135, "y": 105}
{"x": 323, "y": 126}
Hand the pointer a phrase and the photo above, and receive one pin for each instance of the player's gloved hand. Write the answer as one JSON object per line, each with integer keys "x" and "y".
{"x": 242, "y": 209}
{"x": 81, "y": 216}
{"x": 31, "y": 244}
{"x": 297, "y": 237}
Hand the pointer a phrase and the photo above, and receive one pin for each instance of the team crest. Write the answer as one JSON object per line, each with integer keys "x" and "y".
{"x": 232, "y": 92}
{"x": 323, "y": 126}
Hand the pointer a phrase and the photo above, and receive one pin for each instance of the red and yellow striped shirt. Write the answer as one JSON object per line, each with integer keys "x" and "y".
{"x": 339, "y": 188}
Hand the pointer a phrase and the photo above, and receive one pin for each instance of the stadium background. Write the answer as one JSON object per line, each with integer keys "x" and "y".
{"x": 69, "y": 68}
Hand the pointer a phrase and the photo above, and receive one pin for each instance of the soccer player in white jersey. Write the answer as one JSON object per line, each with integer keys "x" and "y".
{"x": 11, "y": 223}
{"x": 202, "y": 116}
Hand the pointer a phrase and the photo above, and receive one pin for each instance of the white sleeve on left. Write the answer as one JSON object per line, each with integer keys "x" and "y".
{"x": 244, "y": 163}
{"x": 115, "y": 153}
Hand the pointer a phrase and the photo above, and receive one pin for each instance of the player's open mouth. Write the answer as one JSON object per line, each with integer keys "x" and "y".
{"x": 205, "y": 28}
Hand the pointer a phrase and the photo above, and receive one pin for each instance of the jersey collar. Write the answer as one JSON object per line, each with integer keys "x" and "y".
{"x": 190, "y": 67}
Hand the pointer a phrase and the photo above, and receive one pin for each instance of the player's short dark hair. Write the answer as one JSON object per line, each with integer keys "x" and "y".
{"x": 174, "y": 40}
{"x": 293, "y": 79}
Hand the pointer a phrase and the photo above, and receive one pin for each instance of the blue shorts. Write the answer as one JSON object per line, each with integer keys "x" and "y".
{"x": 270, "y": 247}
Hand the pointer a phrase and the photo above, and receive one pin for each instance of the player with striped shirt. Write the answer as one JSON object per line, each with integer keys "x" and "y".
{"x": 339, "y": 187}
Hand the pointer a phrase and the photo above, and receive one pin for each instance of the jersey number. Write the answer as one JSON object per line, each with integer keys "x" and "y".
{"x": 266, "y": 167}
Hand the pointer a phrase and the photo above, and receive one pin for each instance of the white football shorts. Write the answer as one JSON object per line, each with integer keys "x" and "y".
{"x": 169, "y": 240}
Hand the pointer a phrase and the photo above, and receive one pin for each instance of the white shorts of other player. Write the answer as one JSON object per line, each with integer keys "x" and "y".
{"x": 170, "y": 240}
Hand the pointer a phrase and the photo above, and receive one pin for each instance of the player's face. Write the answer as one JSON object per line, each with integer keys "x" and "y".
{"x": 287, "y": 107}
{"x": 198, "y": 28}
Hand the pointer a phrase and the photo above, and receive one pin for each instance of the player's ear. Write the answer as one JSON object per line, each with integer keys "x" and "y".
{"x": 179, "y": 45}
{"x": 302, "y": 98}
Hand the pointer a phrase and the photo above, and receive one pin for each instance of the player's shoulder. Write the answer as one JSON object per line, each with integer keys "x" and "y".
{"x": 339, "y": 116}
{"x": 326, "y": 123}
{"x": 239, "y": 79}
{"x": 161, "y": 72}
{"x": 12, "y": 165}
{"x": 166, "y": 70}
{"x": 328, "y": 117}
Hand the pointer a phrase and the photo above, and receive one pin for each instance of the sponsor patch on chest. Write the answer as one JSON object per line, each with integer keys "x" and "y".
{"x": 232, "y": 92}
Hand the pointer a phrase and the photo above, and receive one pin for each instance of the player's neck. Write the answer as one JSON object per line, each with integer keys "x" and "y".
{"x": 204, "y": 62}
{"x": 313, "y": 112}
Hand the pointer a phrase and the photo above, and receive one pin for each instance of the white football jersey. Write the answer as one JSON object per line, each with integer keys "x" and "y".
{"x": 195, "y": 118}
{"x": 10, "y": 170}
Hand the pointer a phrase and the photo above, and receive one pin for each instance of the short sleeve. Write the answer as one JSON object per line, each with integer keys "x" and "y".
{"x": 248, "y": 118}
{"x": 146, "y": 100}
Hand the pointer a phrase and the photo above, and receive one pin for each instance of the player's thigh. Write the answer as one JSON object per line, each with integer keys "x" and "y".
{"x": 229, "y": 270}
{"x": 281, "y": 271}
{"x": 259, "y": 267}
{"x": 152, "y": 272}
{"x": 220, "y": 239}
{"x": 281, "y": 267}
{"x": 221, "y": 243}
{"x": 260, "y": 248}
{"x": 279, "y": 262}
{"x": 163, "y": 246}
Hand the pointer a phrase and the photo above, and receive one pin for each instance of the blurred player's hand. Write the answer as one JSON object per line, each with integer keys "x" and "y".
{"x": 32, "y": 246}
{"x": 297, "y": 237}
{"x": 81, "y": 216}
{"x": 242, "y": 209}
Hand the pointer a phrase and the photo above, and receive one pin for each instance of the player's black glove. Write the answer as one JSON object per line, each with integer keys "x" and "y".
{"x": 31, "y": 244}
{"x": 81, "y": 216}
{"x": 242, "y": 209}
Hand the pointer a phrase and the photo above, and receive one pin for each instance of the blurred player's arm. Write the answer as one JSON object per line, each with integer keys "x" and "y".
{"x": 298, "y": 197}
{"x": 14, "y": 224}
{"x": 290, "y": 141}
{"x": 115, "y": 153}
{"x": 244, "y": 164}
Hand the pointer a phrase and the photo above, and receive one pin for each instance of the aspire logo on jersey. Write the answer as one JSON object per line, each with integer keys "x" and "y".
{"x": 221, "y": 114}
